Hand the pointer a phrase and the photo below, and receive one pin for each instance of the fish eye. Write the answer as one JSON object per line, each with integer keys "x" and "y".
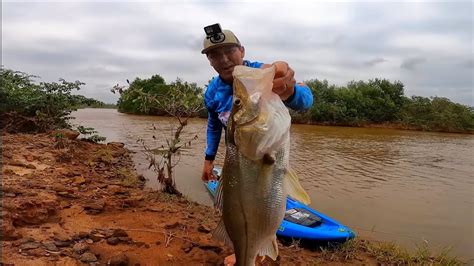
{"x": 237, "y": 102}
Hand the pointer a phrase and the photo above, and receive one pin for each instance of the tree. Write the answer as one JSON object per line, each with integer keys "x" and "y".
{"x": 182, "y": 101}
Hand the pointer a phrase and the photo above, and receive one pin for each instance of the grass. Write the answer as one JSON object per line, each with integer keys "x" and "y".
{"x": 128, "y": 178}
{"x": 387, "y": 253}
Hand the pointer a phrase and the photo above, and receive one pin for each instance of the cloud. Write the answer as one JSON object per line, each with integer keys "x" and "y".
{"x": 374, "y": 61}
{"x": 411, "y": 63}
{"x": 422, "y": 44}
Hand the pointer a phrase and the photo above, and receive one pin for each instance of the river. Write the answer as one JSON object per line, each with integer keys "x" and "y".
{"x": 409, "y": 187}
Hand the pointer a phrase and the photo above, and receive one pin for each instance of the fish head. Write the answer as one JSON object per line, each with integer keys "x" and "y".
{"x": 245, "y": 107}
{"x": 252, "y": 117}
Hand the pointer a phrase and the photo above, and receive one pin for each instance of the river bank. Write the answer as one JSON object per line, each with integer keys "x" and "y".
{"x": 69, "y": 202}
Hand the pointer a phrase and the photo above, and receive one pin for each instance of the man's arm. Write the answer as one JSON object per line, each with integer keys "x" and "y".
{"x": 296, "y": 96}
{"x": 214, "y": 131}
{"x": 302, "y": 98}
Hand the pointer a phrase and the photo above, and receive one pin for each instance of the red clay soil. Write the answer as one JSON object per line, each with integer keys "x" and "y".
{"x": 72, "y": 202}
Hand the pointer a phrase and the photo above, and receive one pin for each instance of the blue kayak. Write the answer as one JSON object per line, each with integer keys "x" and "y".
{"x": 303, "y": 222}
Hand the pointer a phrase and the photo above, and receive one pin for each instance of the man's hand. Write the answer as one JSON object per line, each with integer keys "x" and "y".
{"x": 284, "y": 81}
{"x": 207, "y": 173}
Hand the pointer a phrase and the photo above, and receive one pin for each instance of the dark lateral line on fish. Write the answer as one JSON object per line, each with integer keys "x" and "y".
{"x": 246, "y": 231}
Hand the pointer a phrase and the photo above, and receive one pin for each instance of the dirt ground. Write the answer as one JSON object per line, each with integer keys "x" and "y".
{"x": 71, "y": 202}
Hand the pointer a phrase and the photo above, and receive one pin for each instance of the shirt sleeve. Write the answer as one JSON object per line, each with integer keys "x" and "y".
{"x": 302, "y": 98}
{"x": 214, "y": 131}
{"x": 214, "y": 125}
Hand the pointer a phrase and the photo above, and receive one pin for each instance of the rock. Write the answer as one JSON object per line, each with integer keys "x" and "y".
{"x": 30, "y": 245}
{"x": 61, "y": 237}
{"x": 125, "y": 239}
{"x": 50, "y": 246}
{"x": 88, "y": 257}
{"x": 119, "y": 260}
{"x": 119, "y": 233}
{"x": 216, "y": 249}
{"x": 133, "y": 201}
{"x": 153, "y": 209}
{"x": 10, "y": 195}
{"x": 172, "y": 225}
{"x": 62, "y": 244}
{"x": 36, "y": 252}
{"x": 9, "y": 231}
{"x": 67, "y": 194}
{"x": 89, "y": 241}
{"x": 203, "y": 229}
{"x": 94, "y": 206}
{"x": 26, "y": 240}
{"x": 80, "y": 248}
{"x": 79, "y": 180}
{"x": 66, "y": 133}
{"x": 80, "y": 235}
{"x": 158, "y": 243}
{"x": 33, "y": 211}
{"x": 96, "y": 237}
{"x": 116, "y": 144}
{"x": 113, "y": 241}
{"x": 187, "y": 247}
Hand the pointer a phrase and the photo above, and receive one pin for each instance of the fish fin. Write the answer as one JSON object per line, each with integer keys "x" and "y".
{"x": 294, "y": 188}
{"x": 219, "y": 199}
{"x": 220, "y": 233}
{"x": 270, "y": 248}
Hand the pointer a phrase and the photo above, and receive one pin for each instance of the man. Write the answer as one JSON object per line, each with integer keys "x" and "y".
{"x": 224, "y": 51}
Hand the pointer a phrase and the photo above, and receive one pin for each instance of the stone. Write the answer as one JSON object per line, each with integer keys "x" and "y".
{"x": 113, "y": 241}
{"x": 119, "y": 260}
{"x": 94, "y": 206}
{"x": 187, "y": 247}
{"x": 88, "y": 257}
{"x": 9, "y": 231}
{"x": 172, "y": 225}
{"x": 96, "y": 237}
{"x": 119, "y": 233}
{"x": 116, "y": 144}
{"x": 80, "y": 247}
{"x": 62, "y": 244}
{"x": 30, "y": 245}
{"x": 50, "y": 246}
{"x": 213, "y": 248}
{"x": 203, "y": 229}
{"x": 125, "y": 239}
{"x": 79, "y": 180}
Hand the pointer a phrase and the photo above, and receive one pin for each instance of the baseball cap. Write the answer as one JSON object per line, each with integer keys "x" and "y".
{"x": 225, "y": 38}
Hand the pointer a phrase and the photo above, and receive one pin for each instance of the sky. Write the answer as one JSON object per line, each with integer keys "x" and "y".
{"x": 427, "y": 45}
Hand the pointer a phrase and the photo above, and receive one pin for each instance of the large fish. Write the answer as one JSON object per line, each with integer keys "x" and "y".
{"x": 255, "y": 177}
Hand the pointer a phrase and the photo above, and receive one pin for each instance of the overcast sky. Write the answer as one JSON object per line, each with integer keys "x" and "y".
{"x": 426, "y": 45}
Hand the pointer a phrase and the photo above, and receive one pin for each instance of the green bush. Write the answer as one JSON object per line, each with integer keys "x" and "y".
{"x": 26, "y": 106}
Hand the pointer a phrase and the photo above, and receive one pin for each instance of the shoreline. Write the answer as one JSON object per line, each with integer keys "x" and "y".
{"x": 69, "y": 201}
{"x": 384, "y": 125}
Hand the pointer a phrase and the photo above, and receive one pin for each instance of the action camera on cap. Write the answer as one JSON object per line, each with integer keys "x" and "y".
{"x": 214, "y": 33}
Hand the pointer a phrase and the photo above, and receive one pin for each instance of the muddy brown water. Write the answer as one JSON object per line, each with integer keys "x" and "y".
{"x": 408, "y": 187}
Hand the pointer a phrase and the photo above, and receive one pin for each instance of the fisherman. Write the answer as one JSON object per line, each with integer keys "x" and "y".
{"x": 224, "y": 51}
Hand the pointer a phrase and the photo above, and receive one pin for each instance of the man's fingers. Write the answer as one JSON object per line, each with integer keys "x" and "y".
{"x": 281, "y": 68}
{"x": 279, "y": 85}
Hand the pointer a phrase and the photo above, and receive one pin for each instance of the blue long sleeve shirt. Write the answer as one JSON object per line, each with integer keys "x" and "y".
{"x": 218, "y": 101}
